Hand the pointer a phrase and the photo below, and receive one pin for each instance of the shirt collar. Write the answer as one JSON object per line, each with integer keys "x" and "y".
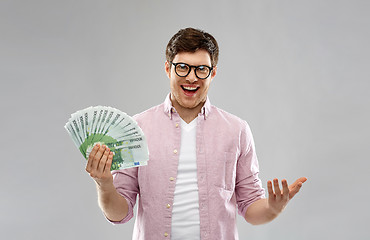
{"x": 169, "y": 109}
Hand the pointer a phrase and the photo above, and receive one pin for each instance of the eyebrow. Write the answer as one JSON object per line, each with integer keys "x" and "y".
{"x": 193, "y": 65}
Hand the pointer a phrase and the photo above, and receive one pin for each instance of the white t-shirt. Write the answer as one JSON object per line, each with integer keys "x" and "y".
{"x": 185, "y": 211}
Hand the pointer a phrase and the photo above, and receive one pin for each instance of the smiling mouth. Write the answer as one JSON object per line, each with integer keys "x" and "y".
{"x": 188, "y": 89}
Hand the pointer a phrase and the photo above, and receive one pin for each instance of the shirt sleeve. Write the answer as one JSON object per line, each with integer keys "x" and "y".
{"x": 126, "y": 184}
{"x": 248, "y": 186}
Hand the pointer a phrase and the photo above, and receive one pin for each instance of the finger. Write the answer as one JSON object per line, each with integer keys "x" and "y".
{"x": 270, "y": 191}
{"x": 302, "y": 179}
{"x": 102, "y": 161}
{"x": 284, "y": 183}
{"x": 299, "y": 180}
{"x": 295, "y": 190}
{"x": 277, "y": 189}
{"x": 97, "y": 158}
{"x": 91, "y": 157}
{"x": 108, "y": 165}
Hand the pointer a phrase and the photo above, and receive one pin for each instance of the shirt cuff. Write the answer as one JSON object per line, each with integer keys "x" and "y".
{"x": 243, "y": 210}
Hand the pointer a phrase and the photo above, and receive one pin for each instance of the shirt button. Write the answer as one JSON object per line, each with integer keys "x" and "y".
{"x": 166, "y": 234}
{"x": 172, "y": 178}
{"x": 177, "y": 125}
{"x": 168, "y": 205}
{"x": 175, "y": 151}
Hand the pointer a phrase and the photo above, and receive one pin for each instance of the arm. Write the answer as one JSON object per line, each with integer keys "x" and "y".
{"x": 265, "y": 210}
{"x": 111, "y": 202}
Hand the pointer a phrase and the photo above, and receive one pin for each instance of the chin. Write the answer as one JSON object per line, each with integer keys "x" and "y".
{"x": 190, "y": 105}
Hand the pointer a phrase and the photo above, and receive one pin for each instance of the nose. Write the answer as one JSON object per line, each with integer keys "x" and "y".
{"x": 191, "y": 76}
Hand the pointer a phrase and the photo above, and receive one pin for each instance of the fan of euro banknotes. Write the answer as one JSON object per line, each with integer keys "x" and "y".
{"x": 115, "y": 129}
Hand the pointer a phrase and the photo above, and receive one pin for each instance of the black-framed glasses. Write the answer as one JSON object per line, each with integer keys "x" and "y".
{"x": 183, "y": 70}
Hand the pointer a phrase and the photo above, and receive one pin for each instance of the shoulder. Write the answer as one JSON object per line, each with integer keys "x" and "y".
{"x": 152, "y": 116}
{"x": 149, "y": 112}
{"x": 227, "y": 118}
{"x": 230, "y": 124}
{"x": 232, "y": 129}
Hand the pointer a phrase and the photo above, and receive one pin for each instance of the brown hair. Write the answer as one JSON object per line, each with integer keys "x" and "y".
{"x": 191, "y": 40}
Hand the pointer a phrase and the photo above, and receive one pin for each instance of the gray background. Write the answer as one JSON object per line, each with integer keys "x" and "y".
{"x": 297, "y": 71}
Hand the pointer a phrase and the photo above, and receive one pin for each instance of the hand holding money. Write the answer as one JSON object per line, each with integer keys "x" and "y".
{"x": 112, "y": 128}
{"x": 99, "y": 165}
{"x": 110, "y": 140}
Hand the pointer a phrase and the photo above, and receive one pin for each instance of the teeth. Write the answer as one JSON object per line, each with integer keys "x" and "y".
{"x": 189, "y": 88}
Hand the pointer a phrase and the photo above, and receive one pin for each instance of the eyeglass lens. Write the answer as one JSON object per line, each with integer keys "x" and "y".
{"x": 183, "y": 70}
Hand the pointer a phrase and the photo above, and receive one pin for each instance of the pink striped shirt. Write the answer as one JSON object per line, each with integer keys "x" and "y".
{"x": 227, "y": 171}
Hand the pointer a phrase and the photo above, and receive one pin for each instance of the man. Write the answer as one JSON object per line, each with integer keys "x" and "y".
{"x": 203, "y": 166}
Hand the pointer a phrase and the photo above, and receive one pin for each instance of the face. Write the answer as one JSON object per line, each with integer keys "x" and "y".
{"x": 189, "y": 92}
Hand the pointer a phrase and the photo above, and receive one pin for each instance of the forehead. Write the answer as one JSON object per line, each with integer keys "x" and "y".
{"x": 199, "y": 57}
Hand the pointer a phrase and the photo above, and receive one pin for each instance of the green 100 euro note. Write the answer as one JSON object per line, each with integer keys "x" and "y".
{"x": 112, "y": 127}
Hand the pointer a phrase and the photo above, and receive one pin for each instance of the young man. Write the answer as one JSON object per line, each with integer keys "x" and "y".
{"x": 203, "y": 166}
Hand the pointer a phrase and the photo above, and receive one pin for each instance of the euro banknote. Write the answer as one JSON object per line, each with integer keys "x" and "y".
{"x": 111, "y": 127}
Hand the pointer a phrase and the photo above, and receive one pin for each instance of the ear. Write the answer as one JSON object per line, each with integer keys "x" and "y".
{"x": 214, "y": 71}
{"x": 167, "y": 68}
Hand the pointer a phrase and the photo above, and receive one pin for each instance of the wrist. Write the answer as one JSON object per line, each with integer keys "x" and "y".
{"x": 273, "y": 211}
{"x": 105, "y": 187}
